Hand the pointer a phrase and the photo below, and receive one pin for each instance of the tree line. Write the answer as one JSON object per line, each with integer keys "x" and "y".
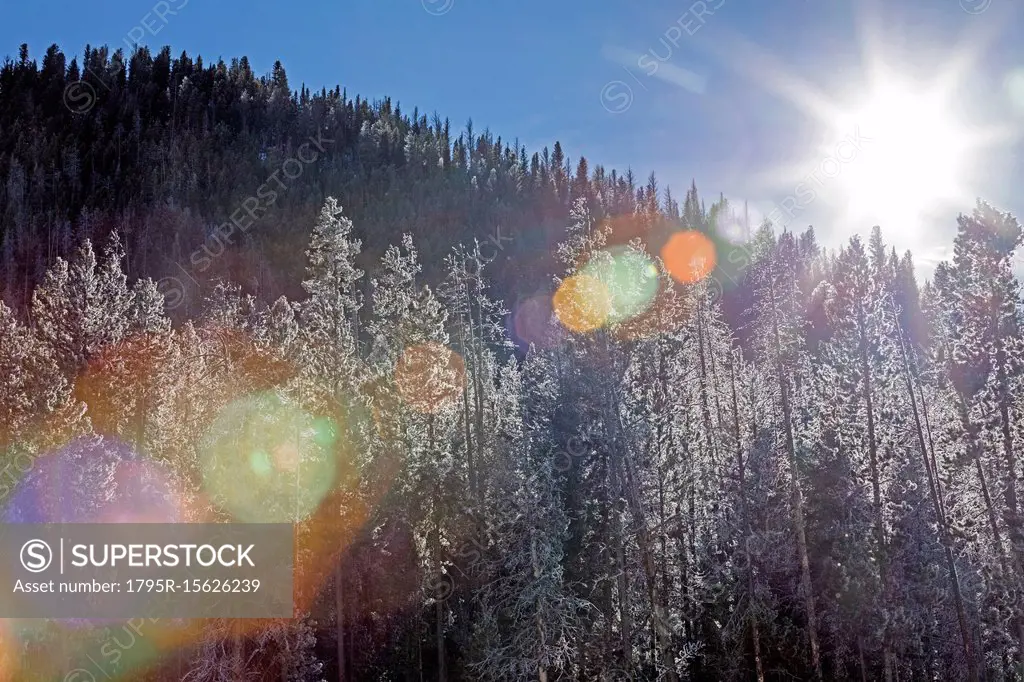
{"x": 799, "y": 464}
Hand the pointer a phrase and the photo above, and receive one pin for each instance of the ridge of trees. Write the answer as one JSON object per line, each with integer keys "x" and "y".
{"x": 804, "y": 466}
{"x": 166, "y": 150}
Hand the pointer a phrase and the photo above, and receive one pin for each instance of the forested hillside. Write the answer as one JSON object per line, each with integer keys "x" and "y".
{"x": 529, "y": 423}
{"x": 167, "y": 150}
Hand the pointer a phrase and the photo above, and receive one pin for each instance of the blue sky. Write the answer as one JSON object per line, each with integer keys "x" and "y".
{"x": 719, "y": 107}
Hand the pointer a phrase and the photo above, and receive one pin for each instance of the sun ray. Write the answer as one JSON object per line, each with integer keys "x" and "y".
{"x": 928, "y": 152}
{"x": 747, "y": 59}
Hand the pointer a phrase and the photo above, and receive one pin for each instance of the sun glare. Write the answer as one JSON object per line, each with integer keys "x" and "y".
{"x": 896, "y": 143}
{"x": 911, "y": 153}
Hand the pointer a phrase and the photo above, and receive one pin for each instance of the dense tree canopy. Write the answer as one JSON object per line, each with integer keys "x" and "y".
{"x": 553, "y": 426}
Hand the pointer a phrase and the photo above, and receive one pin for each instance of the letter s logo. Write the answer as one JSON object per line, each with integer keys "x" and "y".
{"x": 36, "y": 556}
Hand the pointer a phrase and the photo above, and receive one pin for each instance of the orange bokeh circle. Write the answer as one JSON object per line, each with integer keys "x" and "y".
{"x": 689, "y": 256}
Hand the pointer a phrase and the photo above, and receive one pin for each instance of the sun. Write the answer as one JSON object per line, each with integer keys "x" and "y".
{"x": 902, "y": 139}
{"x": 912, "y": 155}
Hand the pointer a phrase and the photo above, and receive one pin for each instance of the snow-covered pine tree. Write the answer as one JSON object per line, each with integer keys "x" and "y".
{"x": 417, "y": 380}
{"x": 82, "y": 307}
{"x": 528, "y": 623}
{"x": 32, "y": 389}
{"x": 778, "y": 319}
{"x": 329, "y": 359}
{"x": 983, "y": 351}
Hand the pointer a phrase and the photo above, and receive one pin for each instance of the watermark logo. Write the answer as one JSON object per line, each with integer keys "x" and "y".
{"x": 153, "y": 22}
{"x": 79, "y": 97}
{"x": 438, "y": 7}
{"x": 36, "y": 556}
{"x": 173, "y": 291}
{"x": 242, "y": 219}
{"x": 439, "y": 585}
{"x": 616, "y": 97}
{"x": 494, "y": 245}
{"x": 975, "y": 6}
{"x": 116, "y": 571}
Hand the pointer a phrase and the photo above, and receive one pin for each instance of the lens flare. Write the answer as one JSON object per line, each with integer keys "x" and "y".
{"x": 265, "y": 460}
{"x": 629, "y": 277}
{"x": 118, "y": 650}
{"x": 582, "y": 303}
{"x": 531, "y": 322}
{"x": 259, "y": 462}
{"x": 96, "y": 480}
{"x": 325, "y": 432}
{"x": 8, "y": 653}
{"x": 428, "y": 376}
{"x": 118, "y": 376}
{"x": 1013, "y": 84}
{"x": 689, "y": 256}
{"x": 668, "y": 313}
{"x": 626, "y": 227}
{"x": 136, "y": 645}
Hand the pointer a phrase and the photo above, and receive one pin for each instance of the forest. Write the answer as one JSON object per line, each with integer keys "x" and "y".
{"x": 530, "y": 419}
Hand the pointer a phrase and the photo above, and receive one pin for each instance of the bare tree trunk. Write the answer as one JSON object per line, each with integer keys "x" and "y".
{"x": 876, "y": 492}
{"x": 470, "y": 467}
{"x": 238, "y": 657}
{"x": 796, "y": 497}
{"x": 339, "y": 600}
{"x": 419, "y": 645}
{"x": 1014, "y": 522}
{"x": 442, "y": 663}
{"x": 478, "y": 392}
{"x": 705, "y": 403}
{"x": 630, "y": 488}
{"x": 625, "y": 621}
{"x": 287, "y": 656}
{"x": 860, "y": 657}
{"x": 940, "y": 517}
{"x": 929, "y": 658}
{"x": 542, "y": 673}
{"x": 747, "y": 526}
{"x": 666, "y": 579}
{"x": 662, "y": 633}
